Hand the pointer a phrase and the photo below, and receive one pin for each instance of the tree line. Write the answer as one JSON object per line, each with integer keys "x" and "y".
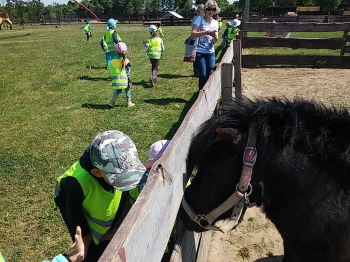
{"x": 32, "y": 10}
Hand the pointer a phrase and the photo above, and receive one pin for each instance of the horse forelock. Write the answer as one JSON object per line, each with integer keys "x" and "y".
{"x": 306, "y": 126}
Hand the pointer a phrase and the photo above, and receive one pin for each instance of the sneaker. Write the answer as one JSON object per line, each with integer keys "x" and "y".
{"x": 111, "y": 105}
{"x": 151, "y": 83}
{"x": 130, "y": 104}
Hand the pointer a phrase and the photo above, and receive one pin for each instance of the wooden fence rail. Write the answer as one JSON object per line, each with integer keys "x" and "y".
{"x": 342, "y": 44}
{"x": 145, "y": 231}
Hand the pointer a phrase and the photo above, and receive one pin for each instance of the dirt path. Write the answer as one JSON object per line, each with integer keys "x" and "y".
{"x": 256, "y": 239}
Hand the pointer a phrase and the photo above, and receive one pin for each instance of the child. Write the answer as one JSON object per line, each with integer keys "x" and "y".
{"x": 120, "y": 70}
{"x": 93, "y": 191}
{"x": 110, "y": 39}
{"x": 155, "y": 151}
{"x": 154, "y": 51}
{"x": 160, "y": 30}
{"x": 88, "y": 29}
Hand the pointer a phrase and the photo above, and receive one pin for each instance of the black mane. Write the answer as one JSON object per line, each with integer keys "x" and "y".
{"x": 321, "y": 133}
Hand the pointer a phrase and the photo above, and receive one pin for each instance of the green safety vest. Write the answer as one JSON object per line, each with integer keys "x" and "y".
{"x": 87, "y": 28}
{"x": 108, "y": 38}
{"x": 154, "y": 50}
{"x": 99, "y": 206}
{"x": 118, "y": 74}
{"x": 232, "y": 32}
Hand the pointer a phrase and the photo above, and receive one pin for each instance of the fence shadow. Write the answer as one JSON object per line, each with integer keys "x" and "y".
{"x": 96, "y": 106}
{"x": 270, "y": 259}
{"x": 89, "y": 78}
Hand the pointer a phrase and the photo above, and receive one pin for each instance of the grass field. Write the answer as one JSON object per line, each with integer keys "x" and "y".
{"x": 53, "y": 104}
{"x": 55, "y": 90}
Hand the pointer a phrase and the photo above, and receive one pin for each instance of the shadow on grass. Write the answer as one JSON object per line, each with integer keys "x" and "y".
{"x": 168, "y": 76}
{"x": 15, "y": 36}
{"x": 94, "y": 78}
{"x": 166, "y": 101}
{"x": 142, "y": 83}
{"x": 96, "y": 106}
{"x": 96, "y": 67}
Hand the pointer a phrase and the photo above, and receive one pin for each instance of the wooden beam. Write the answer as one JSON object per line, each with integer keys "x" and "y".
{"x": 144, "y": 233}
{"x": 301, "y": 60}
{"x": 294, "y": 43}
{"x": 237, "y": 56}
{"x": 294, "y": 27}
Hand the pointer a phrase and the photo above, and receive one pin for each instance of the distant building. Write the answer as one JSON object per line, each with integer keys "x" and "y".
{"x": 171, "y": 15}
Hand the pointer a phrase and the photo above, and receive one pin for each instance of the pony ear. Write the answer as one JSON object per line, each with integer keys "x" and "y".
{"x": 228, "y": 132}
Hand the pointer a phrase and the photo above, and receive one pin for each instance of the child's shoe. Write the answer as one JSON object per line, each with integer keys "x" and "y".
{"x": 111, "y": 104}
{"x": 151, "y": 83}
{"x": 130, "y": 104}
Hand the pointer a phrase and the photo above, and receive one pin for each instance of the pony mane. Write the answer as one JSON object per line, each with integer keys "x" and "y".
{"x": 308, "y": 127}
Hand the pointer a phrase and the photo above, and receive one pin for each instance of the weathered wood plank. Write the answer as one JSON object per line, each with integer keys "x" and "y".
{"x": 237, "y": 55}
{"x": 259, "y": 60}
{"x": 294, "y": 43}
{"x": 149, "y": 223}
{"x": 294, "y": 27}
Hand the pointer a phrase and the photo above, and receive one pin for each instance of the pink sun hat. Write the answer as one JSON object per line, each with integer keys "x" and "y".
{"x": 155, "y": 152}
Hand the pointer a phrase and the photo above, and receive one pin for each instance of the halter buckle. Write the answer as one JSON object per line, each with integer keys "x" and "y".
{"x": 249, "y": 156}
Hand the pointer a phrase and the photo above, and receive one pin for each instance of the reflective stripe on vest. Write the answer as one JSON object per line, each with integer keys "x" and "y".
{"x": 154, "y": 50}
{"x": 118, "y": 74}
{"x": 99, "y": 206}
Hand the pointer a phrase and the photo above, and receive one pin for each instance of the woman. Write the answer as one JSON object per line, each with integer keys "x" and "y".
{"x": 206, "y": 28}
{"x": 200, "y": 13}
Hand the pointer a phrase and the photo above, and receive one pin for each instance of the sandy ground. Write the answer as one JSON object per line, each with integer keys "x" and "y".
{"x": 256, "y": 239}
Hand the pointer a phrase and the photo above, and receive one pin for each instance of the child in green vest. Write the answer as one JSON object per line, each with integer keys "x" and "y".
{"x": 88, "y": 29}
{"x": 93, "y": 191}
{"x": 110, "y": 39}
{"x": 120, "y": 70}
{"x": 154, "y": 52}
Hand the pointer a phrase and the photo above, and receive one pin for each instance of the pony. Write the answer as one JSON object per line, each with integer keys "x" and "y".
{"x": 296, "y": 168}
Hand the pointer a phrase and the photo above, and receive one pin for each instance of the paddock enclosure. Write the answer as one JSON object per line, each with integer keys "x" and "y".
{"x": 342, "y": 43}
{"x": 145, "y": 231}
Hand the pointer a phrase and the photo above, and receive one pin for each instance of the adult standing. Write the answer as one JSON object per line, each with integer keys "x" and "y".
{"x": 200, "y": 13}
{"x": 206, "y": 29}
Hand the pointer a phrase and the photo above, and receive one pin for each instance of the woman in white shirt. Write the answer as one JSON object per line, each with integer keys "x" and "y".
{"x": 206, "y": 29}
{"x": 200, "y": 13}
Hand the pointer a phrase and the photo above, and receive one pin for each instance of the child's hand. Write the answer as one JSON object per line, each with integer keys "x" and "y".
{"x": 144, "y": 42}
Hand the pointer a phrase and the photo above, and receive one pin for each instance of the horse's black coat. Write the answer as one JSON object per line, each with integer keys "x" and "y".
{"x": 301, "y": 179}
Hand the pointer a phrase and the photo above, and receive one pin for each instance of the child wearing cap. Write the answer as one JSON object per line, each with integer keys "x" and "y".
{"x": 88, "y": 29}
{"x": 92, "y": 192}
{"x": 120, "y": 70}
{"x": 155, "y": 48}
{"x": 155, "y": 151}
{"x": 110, "y": 39}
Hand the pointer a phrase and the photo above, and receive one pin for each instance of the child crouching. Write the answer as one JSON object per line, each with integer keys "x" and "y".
{"x": 120, "y": 70}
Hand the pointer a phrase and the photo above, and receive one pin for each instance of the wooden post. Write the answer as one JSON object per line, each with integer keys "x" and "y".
{"x": 237, "y": 58}
{"x": 227, "y": 76}
{"x": 246, "y": 16}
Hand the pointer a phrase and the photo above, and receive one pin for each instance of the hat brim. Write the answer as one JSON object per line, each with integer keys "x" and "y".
{"x": 134, "y": 174}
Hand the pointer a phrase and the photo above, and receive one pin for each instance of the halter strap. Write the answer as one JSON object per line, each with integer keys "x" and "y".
{"x": 235, "y": 200}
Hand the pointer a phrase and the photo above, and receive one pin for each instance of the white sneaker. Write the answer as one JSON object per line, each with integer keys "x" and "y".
{"x": 130, "y": 104}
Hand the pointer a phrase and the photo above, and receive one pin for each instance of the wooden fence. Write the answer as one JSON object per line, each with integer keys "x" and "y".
{"x": 145, "y": 231}
{"x": 343, "y": 44}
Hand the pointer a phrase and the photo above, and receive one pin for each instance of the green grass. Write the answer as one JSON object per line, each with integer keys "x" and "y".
{"x": 53, "y": 105}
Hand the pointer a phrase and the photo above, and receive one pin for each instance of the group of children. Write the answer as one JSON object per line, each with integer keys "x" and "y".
{"x": 117, "y": 63}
